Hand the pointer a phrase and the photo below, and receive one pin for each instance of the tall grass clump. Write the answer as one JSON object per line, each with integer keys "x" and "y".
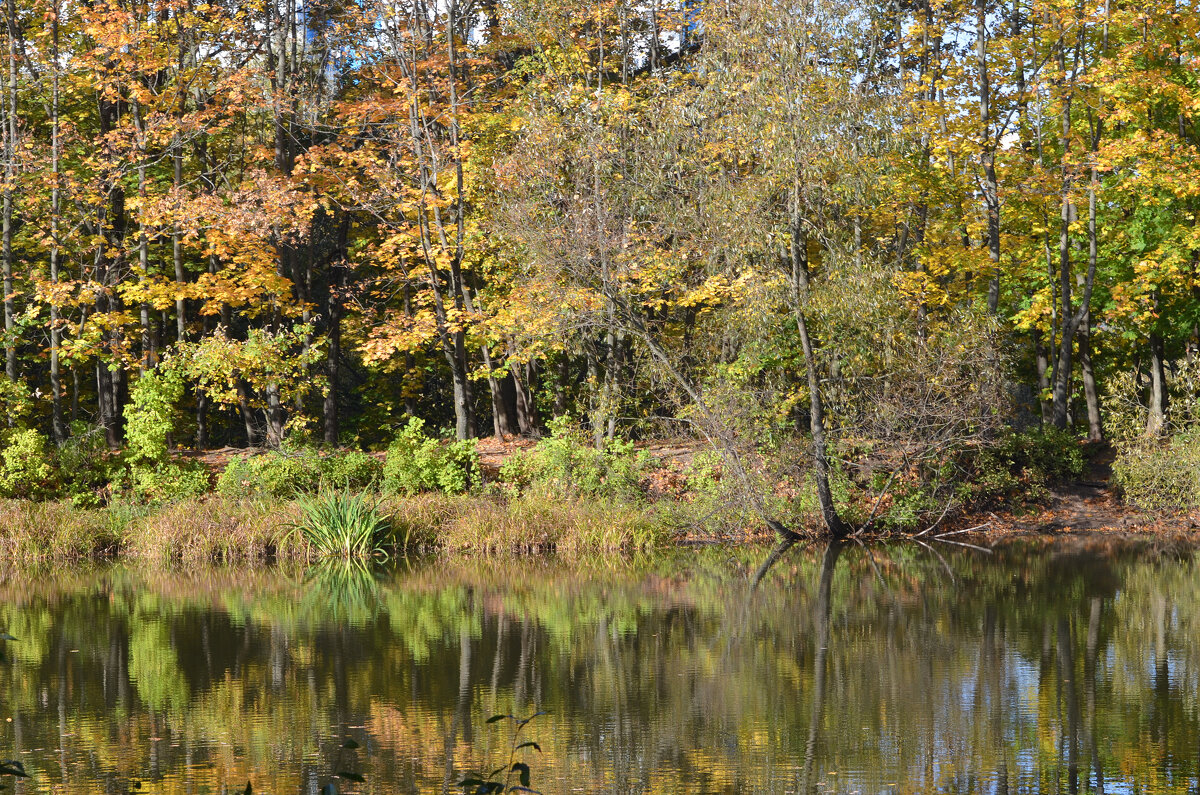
{"x": 342, "y": 524}
{"x": 536, "y": 522}
{"x": 211, "y": 529}
{"x": 44, "y": 531}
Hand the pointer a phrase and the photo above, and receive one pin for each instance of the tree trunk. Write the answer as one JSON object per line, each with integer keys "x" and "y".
{"x": 106, "y": 404}
{"x": 333, "y": 362}
{"x": 820, "y": 453}
{"x": 177, "y": 250}
{"x": 527, "y": 415}
{"x": 1095, "y": 432}
{"x": 10, "y": 155}
{"x": 1042, "y": 358}
{"x": 1066, "y": 339}
{"x": 504, "y": 420}
{"x": 1156, "y": 418}
{"x": 243, "y": 395}
{"x": 275, "y": 416}
{"x": 988, "y": 156}
{"x": 58, "y": 427}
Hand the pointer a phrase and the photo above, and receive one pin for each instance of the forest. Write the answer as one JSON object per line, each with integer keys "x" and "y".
{"x": 854, "y": 248}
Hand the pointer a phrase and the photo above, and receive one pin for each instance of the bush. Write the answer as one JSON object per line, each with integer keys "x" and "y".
{"x": 351, "y": 470}
{"x": 86, "y": 466}
{"x": 285, "y": 474}
{"x": 418, "y": 462}
{"x": 27, "y": 470}
{"x": 567, "y": 462}
{"x": 169, "y": 481}
{"x": 150, "y": 415}
{"x": 1031, "y": 460}
{"x": 1157, "y": 475}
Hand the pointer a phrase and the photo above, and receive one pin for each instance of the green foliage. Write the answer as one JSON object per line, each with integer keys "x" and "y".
{"x": 342, "y": 524}
{"x": 419, "y": 462}
{"x": 149, "y": 422}
{"x": 26, "y": 466}
{"x": 279, "y": 359}
{"x": 1160, "y": 475}
{"x": 291, "y": 472}
{"x": 567, "y": 462}
{"x": 149, "y": 417}
{"x": 86, "y": 466}
{"x": 16, "y": 404}
{"x": 169, "y": 481}
{"x": 352, "y": 469}
{"x": 1031, "y": 461}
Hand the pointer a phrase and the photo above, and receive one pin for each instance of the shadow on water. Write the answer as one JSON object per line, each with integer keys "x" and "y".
{"x": 803, "y": 668}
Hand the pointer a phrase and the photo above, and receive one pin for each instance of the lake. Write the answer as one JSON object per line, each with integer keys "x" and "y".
{"x": 1038, "y": 667}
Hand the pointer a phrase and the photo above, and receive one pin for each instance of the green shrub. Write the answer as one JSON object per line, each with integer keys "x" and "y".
{"x": 150, "y": 415}
{"x": 27, "y": 470}
{"x": 289, "y": 473}
{"x": 418, "y": 462}
{"x": 273, "y": 474}
{"x": 1031, "y": 461}
{"x": 1160, "y": 475}
{"x": 566, "y": 461}
{"x": 87, "y": 466}
{"x": 351, "y": 470}
{"x": 337, "y": 523}
{"x": 169, "y": 481}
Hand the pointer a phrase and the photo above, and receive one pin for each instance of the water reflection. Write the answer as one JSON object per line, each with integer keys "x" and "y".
{"x": 805, "y": 669}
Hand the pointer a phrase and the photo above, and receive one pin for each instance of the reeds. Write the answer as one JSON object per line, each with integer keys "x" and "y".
{"x": 342, "y": 524}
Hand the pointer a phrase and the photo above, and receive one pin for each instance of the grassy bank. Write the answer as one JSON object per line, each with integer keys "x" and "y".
{"x": 427, "y": 493}
{"x": 217, "y": 528}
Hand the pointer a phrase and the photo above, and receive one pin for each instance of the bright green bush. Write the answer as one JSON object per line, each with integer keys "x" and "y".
{"x": 419, "y": 462}
{"x": 169, "y": 481}
{"x": 150, "y": 415}
{"x": 567, "y": 461}
{"x": 1160, "y": 475}
{"x": 352, "y": 470}
{"x": 288, "y": 473}
{"x": 27, "y": 470}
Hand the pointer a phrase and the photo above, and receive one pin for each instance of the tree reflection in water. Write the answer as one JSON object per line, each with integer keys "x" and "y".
{"x": 834, "y": 667}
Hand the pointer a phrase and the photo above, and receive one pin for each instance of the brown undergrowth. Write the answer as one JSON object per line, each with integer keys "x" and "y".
{"x": 220, "y": 529}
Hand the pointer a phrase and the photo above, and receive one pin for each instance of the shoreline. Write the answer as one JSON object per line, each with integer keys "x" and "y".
{"x": 220, "y": 530}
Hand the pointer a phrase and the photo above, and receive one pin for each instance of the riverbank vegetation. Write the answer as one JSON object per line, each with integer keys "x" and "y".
{"x": 884, "y": 263}
{"x": 560, "y": 494}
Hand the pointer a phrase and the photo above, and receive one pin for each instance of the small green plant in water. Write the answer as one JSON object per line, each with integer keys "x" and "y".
{"x": 500, "y": 779}
{"x": 341, "y": 524}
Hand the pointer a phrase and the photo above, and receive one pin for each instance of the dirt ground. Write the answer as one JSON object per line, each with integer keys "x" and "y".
{"x": 1089, "y": 506}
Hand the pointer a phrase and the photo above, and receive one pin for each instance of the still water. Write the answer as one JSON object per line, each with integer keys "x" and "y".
{"x": 888, "y": 669}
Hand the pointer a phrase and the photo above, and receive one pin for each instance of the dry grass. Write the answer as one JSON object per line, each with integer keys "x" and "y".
{"x": 217, "y": 529}
{"x": 528, "y": 523}
{"x": 33, "y": 532}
